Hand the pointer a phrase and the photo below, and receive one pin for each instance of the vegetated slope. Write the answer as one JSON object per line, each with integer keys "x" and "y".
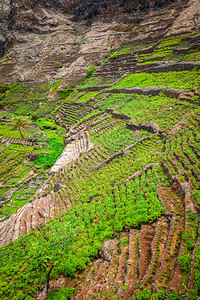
{"x": 128, "y": 176}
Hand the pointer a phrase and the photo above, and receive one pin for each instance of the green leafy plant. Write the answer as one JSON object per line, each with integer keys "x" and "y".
{"x": 185, "y": 261}
{"x": 58, "y": 64}
{"x": 61, "y": 294}
{"x": 21, "y": 125}
{"x": 55, "y": 85}
{"x": 65, "y": 93}
{"x": 91, "y": 70}
{"x": 113, "y": 55}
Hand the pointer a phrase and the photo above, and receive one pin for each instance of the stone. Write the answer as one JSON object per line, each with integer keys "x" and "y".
{"x": 32, "y": 156}
{"x": 108, "y": 250}
{"x": 58, "y": 186}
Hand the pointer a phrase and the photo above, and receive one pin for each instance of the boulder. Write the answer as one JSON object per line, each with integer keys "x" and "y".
{"x": 58, "y": 186}
{"x": 108, "y": 250}
{"x": 32, "y": 156}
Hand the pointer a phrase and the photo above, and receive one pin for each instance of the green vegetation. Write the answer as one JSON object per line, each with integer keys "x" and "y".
{"x": 171, "y": 79}
{"x": 91, "y": 70}
{"x": 113, "y": 100}
{"x": 166, "y": 50}
{"x": 96, "y": 81}
{"x": 53, "y": 143}
{"x": 160, "y": 109}
{"x": 62, "y": 294}
{"x": 89, "y": 82}
{"x": 55, "y": 85}
{"x": 64, "y": 93}
{"x": 86, "y": 97}
{"x": 21, "y": 125}
{"x": 125, "y": 50}
{"x": 117, "y": 139}
{"x": 113, "y": 55}
{"x": 25, "y": 104}
{"x": 58, "y": 64}
{"x": 134, "y": 48}
{"x": 102, "y": 196}
{"x": 47, "y": 160}
{"x": 85, "y": 219}
{"x": 14, "y": 164}
{"x": 17, "y": 95}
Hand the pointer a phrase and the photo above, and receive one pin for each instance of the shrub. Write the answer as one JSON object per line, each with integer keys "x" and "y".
{"x": 142, "y": 295}
{"x": 197, "y": 196}
{"x": 55, "y": 85}
{"x": 65, "y": 93}
{"x": 114, "y": 55}
{"x": 58, "y": 64}
{"x": 175, "y": 296}
{"x": 159, "y": 295}
{"x": 61, "y": 294}
{"x": 91, "y": 70}
{"x": 105, "y": 62}
{"x": 35, "y": 117}
{"x": 185, "y": 262}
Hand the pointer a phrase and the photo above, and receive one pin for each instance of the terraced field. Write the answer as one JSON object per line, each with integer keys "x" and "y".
{"x": 100, "y": 195}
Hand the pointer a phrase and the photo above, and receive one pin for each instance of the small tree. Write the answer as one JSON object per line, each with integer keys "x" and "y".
{"x": 21, "y": 125}
{"x": 49, "y": 249}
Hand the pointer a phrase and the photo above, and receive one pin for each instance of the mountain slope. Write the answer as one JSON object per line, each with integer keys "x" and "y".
{"x": 100, "y": 199}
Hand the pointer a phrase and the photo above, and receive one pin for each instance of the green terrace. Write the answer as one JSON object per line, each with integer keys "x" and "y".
{"x": 134, "y": 48}
{"x": 86, "y": 97}
{"x": 95, "y": 81}
{"x": 181, "y": 155}
{"x": 112, "y": 100}
{"x": 169, "y": 54}
{"x": 165, "y": 50}
{"x": 87, "y": 222}
{"x": 28, "y": 100}
{"x": 125, "y": 183}
{"x": 19, "y": 177}
{"x": 117, "y": 138}
{"x": 177, "y": 80}
{"x": 163, "y": 110}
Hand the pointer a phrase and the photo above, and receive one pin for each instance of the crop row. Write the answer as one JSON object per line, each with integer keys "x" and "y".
{"x": 164, "y": 111}
{"x": 117, "y": 138}
{"x": 182, "y": 156}
{"x": 97, "y": 211}
{"x": 170, "y": 79}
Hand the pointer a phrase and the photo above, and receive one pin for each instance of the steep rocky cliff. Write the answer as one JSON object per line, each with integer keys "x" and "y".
{"x": 44, "y": 16}
{"x": 91, "y": 8}
{"x": 45, "y": 40}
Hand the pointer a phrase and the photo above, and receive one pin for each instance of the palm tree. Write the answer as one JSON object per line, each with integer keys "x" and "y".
{"x": 21, "y": 125}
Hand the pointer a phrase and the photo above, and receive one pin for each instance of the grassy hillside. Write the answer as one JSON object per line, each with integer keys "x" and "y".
{"x": 137, "y": 184}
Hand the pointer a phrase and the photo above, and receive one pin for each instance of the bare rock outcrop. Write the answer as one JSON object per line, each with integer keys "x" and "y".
{"x": 188, "y": 19}
{"x": 58, "y": 186}
{"x": 151, "y": 126}
{"x": 107, "y": 252}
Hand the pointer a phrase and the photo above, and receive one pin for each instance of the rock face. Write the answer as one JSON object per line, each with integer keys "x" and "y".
{"x": 44, "y": 16}
{"x": 189, "y": 18}
{"x": 91, "y": 8}
{"x": 5, "y": 35}
{"x": 47, "y": 40}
